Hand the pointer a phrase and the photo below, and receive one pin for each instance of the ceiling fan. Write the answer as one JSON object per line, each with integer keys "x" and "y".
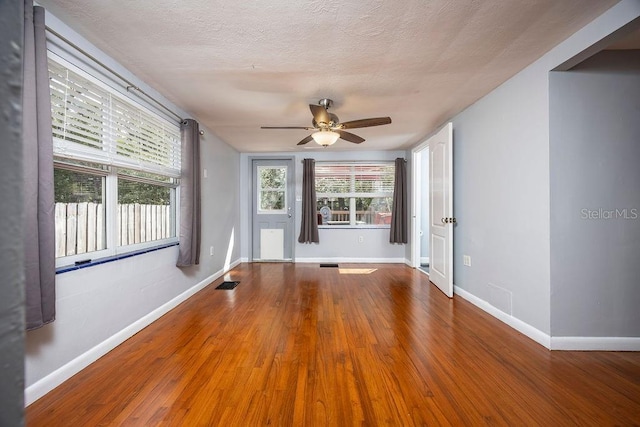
{"x": 328, "y": 128}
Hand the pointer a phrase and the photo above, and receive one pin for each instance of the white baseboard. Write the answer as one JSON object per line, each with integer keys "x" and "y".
{"x": 424, "y": 260}
{"x": 60, "y": 375}
{"x": 352, "y": 260}
{"x": 517, "y": 324}
{"x": 596, "y": 343}
{"x": 554, "y": 343}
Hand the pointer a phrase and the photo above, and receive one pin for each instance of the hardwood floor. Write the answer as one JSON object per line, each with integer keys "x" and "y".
{"x": 299, "y": 345}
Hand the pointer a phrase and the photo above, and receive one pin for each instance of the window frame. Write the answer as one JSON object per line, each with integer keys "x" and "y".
{"x": 283, "y": 189}
{"x": 353, "y": 194}
{"x": 71, "y": 152}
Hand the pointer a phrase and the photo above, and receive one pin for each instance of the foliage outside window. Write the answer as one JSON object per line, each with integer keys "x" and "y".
{"x": 354, "y": 194}
{"x": 272, "y": 183}
{"x": 116, "y": 169}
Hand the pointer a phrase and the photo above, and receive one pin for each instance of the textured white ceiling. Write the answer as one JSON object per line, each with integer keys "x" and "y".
{"x": 238, "y": 65}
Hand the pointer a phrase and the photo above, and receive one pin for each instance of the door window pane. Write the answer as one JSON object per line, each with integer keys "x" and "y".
{"x": 272, "y": 183}
{"x": 271, "y": 200}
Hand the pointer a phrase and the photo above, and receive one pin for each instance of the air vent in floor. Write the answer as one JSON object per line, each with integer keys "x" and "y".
{"x": 227, "y": 285}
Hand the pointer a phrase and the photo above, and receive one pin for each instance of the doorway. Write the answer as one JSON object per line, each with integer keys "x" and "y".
{"x": 272, "y": 210}
{"x": 421, "y": 208}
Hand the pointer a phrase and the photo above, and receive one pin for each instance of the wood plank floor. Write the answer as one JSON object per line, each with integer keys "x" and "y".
{"x": 299, "y": 345}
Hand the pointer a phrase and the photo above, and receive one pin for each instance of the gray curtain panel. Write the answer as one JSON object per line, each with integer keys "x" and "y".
{"x": 190, "y": 222}
{"x": 39, "y": 229}
{"x": 399, "y": 222}
{"x": 309, "y": 225}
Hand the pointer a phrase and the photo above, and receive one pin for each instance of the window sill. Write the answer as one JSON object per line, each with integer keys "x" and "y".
{"x": 112, "y": 258}
{"x": 354, "y": 227}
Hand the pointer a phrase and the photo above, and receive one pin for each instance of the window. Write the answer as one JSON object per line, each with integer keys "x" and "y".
{"x": 116, "y": 169}
{"x": 272, "y": 194}
{"x": 79, "y": 210}
{"x": 355, "y": 194}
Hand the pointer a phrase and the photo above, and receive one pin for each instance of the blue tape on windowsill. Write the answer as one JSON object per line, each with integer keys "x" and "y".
{"x": 112, "y": 258}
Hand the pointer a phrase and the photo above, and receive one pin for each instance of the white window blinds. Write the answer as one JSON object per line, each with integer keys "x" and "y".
{"x": 93, "y": 123}
{"x": 365, "y": 180}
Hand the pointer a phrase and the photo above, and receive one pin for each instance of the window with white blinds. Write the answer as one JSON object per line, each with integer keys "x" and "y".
{"x": 92, "y": 123}
{"x": 363, "y": 180}
{"x": 354, "y": 194}
{"x": 116, "y": 169}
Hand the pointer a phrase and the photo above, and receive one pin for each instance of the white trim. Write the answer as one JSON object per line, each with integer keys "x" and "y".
{"x": 424, "y": 260}
{"x": 60, "y": 375}
{"x": 553, "y": 343}
{"x": 596, "y": 343}
{"x": 517, "y": 324}
{"x": 353, "y": 260}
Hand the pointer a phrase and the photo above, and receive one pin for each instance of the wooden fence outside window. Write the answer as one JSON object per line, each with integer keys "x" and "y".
{"x": 80, "y": 227}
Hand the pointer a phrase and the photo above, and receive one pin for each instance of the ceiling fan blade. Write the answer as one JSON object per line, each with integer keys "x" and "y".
{"x": 320, "y": 114}
{"x": 307, "y": 139}
{"x": 350, "y": 137}
{"x": 286, "y": 127}
{"x": 364, "y": 123}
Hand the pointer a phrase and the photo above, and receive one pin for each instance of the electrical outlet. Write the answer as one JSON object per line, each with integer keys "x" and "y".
{"x": 360, "y": 239}
{"x": 204, "y": 173}
{"x": 210, "y": 250}
{"x": 466, "y": 260}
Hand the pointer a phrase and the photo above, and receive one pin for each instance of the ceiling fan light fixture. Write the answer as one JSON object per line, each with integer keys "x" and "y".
{"x": 325, "y": 137}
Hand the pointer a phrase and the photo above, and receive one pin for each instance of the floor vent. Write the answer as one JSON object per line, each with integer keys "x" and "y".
{"x": 329, "y": 265}
{"x": 227, "y": 285}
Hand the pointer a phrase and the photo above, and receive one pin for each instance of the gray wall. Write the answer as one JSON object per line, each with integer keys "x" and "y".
{"x": 501, "y": 184}
{"x": 11, "y": 254}
{"x": 501, "y": 197}
{"x": 97, "y": 303}
{"x": 595, "y": 157}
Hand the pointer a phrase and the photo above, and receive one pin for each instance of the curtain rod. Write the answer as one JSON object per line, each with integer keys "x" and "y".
{"x": 130, "y": 86}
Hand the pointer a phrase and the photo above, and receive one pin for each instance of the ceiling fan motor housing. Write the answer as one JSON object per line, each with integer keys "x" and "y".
{"x": 333, "y": 122}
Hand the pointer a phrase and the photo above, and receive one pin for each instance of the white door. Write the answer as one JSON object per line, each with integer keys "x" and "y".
{"x": 441, "y": 204}
{"x": 273, "y": 214}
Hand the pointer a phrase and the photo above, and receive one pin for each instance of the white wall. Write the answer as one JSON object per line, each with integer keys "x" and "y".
{"x": 501, "y": 185}
{"x": 335, "y": 244}
{"x": 99, "y": 306}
